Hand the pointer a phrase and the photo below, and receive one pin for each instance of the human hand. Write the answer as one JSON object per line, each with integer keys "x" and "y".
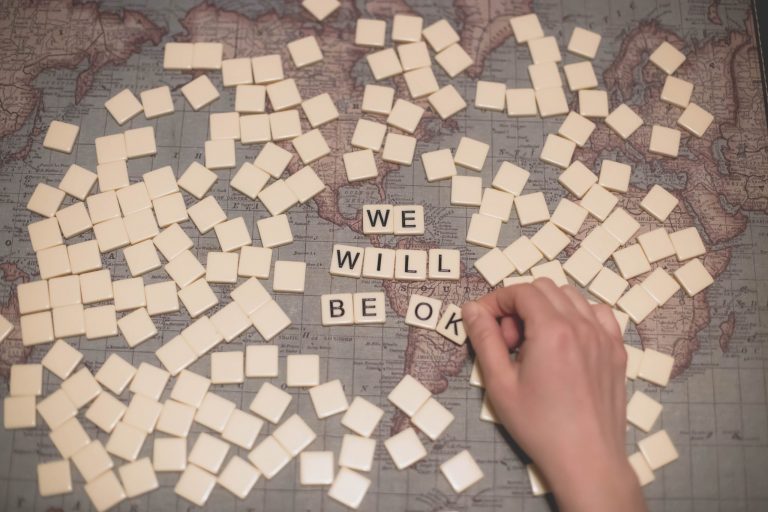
{"x": 563, "y": 398}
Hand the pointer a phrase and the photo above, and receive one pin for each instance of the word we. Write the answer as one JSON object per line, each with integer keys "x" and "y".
{"x": 385, "y": 219}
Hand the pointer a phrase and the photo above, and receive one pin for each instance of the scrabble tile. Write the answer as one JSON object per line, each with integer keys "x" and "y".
{"x": 405, "y": 448}
{"x": 141, "y": 258}
{"x": 190, "y": 388}
{"x": 305, "y": 51}
{"x": 471, "y": 153}
{"x": 593, "y": 103}
{"x": 450, "y": 325}
{"x": 660, "y": 285}
{"x": 261, "y": 361}
{"x": 580, "y": 75}
{"x": 283, "y": 94}
{"x": 465, "y": 190}
{"x": 440, "y": 35}
{"x": 328, "y": 399}
{"x": 197, "y": 180}
{"x": 432, "y": 419}
{"x": 631, "y": 261}
{"x": 656, "y": 244}
{"x": 667, "y": 58}
{"x": 236, "y": 72}
{"x": 61, "y": 359}
{"x": 208, "y": 452}
{"x": 409, "y": 220}
{"x": 444, "y": 264}
{"x": 64, "y": 291}
{"x": 545, "y": 75}
{"x": 665, "y": 141}
{"x": 184, "y": 269}
{"x": 599, "y": 202}
{"x": 510, "y": 178}
{"x": 615, "y": 176}
{"x": 360, "y": 165}
{"x": 195, "y": 485}
{"x": 349, "y": 488}
{"x": 496, "y": 203}
{"x": 531, "y": 208}
{"x": 273, "y": 159}
{"x": 414, "y": 55}
{"x": 677, "y": 92}
{"x": 73, "y": 220}
{"x": 169, "y": 454}
{"x": 577, "y": 128}
{"x": 105, "y": 411}
{"x": 126, "y": 441}
{"x": 232, "y": 234}
{"x": 311, "y": 146}
{"x": 214, "y": 412}
{"x": 200, "y": 92}
{"x": 112, "y": 175}
{"x": 377, "y": 99}
{"x": 254, "y": 262}
{"x": 658, "y": 449}
{"x": 44, "y": 234}
{"x": 140, "y": 142}
{"x": 303, "y": 370}
{"x": 250, "y": 99}
{"x": 409, "y": 395}
{"x": 687, "y": 243}
{"x": 270, "y": 402}
{"x": 558, "y": 151}
{"x": 550, "y": 240}
{"x": 487, "y": 413}
{"x": 490, "y": 95}
{"x": 54, "y": 478}
{"x": 140, "y": 226}
{"x": 157, "y": 102}
{"x": 219, "y": 154}
{"x": 207, "y": 55}
{"x": 267, "y": 69}
{"x": 634, "y": 360}
{"x": 250, "y": 296}
{"x": 405, "y": 116}
{"x": 100, "y": 322}
{"x": 539, "y": 486}
{"x": 249, "y": 180}
{"x": 453, "y": 59}
{"x": 33, "y": 297}
{"x": 362, "y": 417}
{"x": 242, "y": 429}
{"x": 494, "y": 266}
{"x": 637, "y": 303}
{"x": 624, "y": 121}
{"x": 294, "y": 435}
{"x": 357, "y": 452}
{"x": 406, "y": 28}
{"x": 447, "y": 102}
{"x": 569, "y": 216}
{"x": 289, "y": 276}
{"x": 45, "y": 200}
{"x": 138, "y": 477}
{"x": 224, "y": 125}
{"x": 26, "y": 380}
{"x": 206, "y": 214}
{"x": 238, "y": 477}
{"x": 176, "y": 355}
{"x": 370, "y": 32}
{"x": 584, "y": 42}
{"x": 320, "y": 109}
{"x": 551, "y": 269}
{"x": 227, "y": 367}
{"x": 384, "y": 64}
{"x": 305, "y": 184}
{"x": 523, "y": 254}
{"x": 84, "y": 256}
{"x": 368, "y": 134}
{"x": 521, "y": 103}
{"x": 270, "y": 320}
{"x": 315, "y": 468}
{"x": 124, "y": 105}
{"x": 438, "y": 165}
{"x": 693, "y": 277}
{"x": 170, "y": 209}
{"x": 608, "y": 286}
{"x": 149, "y": 381}
{"x": 643, "y": 411}
{"x": 423, "y": 312}
{"x": 103, "y": 206}
{"x": 61, "y": 136}
{"x": 551, "y": 101}
{"x": 600, "y": 243}
{"x": 695, "y": 119}
{"x": 129, "y": 294}
{"x": 92, "y": 460}
{"x": 269, "y": 457}
{"x": 582, "y": 266}
{"x": 320, "y": 9}
{"x": 221, "y": 267}
{"x": 483, "y": 230}
{"x": 36, "y": 328}
{"x": 656, "y": 367}
{"x": 78, "y": 182}
{"x": 641, "y": 468}
{"x": 115, "y": 374}
{"x": 56, "y": 408}
{"x": 175, "y": 419}
{"x": 275, "y": 231}
{"x": 198, "y": 297}
{"x": 526, "y": 27}
{"x": 69, "y": 321}
{"x": 461, "y": 471}
{"x": 544, "y": 49}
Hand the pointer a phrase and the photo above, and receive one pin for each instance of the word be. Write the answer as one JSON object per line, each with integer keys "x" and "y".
{"x": 353, "y": 308}
{"x": 401, "y": 264}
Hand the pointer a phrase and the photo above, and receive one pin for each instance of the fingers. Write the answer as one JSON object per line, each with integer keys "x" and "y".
{"x": 607, "y": 321}
{"x": 486, "y": 337}
{"x": 510, "y": 332}
{"x": 556, "y": 296}
{"x": 579, "y": 302}
{"x": 523, "y": 301}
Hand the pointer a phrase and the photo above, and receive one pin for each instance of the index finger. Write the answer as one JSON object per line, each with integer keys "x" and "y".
{"x": 525, "y": 301}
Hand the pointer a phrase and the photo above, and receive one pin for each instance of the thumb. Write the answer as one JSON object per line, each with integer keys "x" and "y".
{"x": 486, "y": 337}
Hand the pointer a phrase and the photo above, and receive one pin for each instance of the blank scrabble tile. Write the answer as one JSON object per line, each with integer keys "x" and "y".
{"x": 432, "y": 419}
{"x": 599, "y": 202}
{"x": 580, "y": 75}
{"x": 658, "y": 449}
{"x": 608, "y": 286}
{"x": 303, "y": 370}
{"x": 141, "y": 258}
{"x": 273, "y": 159}
{"x": 69, "y": 321}
{"x": 687, "y": 243}
{"x": 438, "y": 165}
{"x": 61, "y": 136}
{"x": 569, "y": 216}
{"x": 138, "y": 477}
{"x": 471, "y": 153}
{"x": 140, "y": 226}
{"x": 140, "y": 142}
{"x": 175, "y": 419}
{"x": 200, "y": 92}
{"x": 693, "y": 277}
{"x": 249, "y": 180}
{"x": 320, "y": 9}
{"x": 84, "y": 256}
{"x": 378, "y": 99}
{"x": 582, "y": 266}
{"x": 54, "y": 478}
{"x": 269, "y": 457}
{"x": 545, "y": 75}
{"x": 409, "y": 395}
{"x": 224, "y": 125}
{"x": 490, "y": 95}
{"x": 656, "y": 244}
{"x": 494, "y": 266}
{"x": 414, "y": 55}
{"x": 660, "y": 285}
{"x": 677, "y": 92}
{"x": 447, "y": 102}
{"x": 242, "y": 429}
{"x": 129, "y": 294}
{"x": 544, "y": 49}
{"x": 115, "y": 374}
{"x": 136, "y": 327}
{"x": 368, "y": 134}
{"x": 149, "y": 381}
{"x": 112, "y": 175}
{"x": 357, "y": 452}
{"x": 249, "y": 99}
{"x": 311, "y": 146}
{"x": 283, "y": 94}
{"x": 483, "y": 230}
{"x": 615, "y": 176}
{"x": 219, "y": 154}
{"x": 510, "y": 178}
{"x": 169, "y": 454}
{"x": 26, "y": 380}
{"x": 214, "y": 412}
{"x": 551, "y": 269}
{"x": 624, "y": 121}
{"x": 454, "y": 59}
{"x": 36, "y": 328}
{"x": 316, "y": 468}
{"x": 105, "y": 412}
{"x": 61, "y": 359}
{"x": 465, "y": 190}
{"x": 184, "y": 269}
{"x": 64, "y": 291}
{"x": 250, "y": 295}
{"x": 197, "y": 180}
{"x": 195, "y": 485}
{"x": 558, "y": 151}
{"x": 550, "y": 240}
{"x": 254, "y": 262}
{"x": 103, "y": 206}
{"x": 92, "y": 460}
{"x": 78, "y": 182}
{"x": 275, "y": 231}
{"x": 665, "y": 141}
{"x": 33, "y": 297}
{"x": 384, "y": 64}
{"x": 320, "y": 109}
{"x": 198, "y": 297}
{"x": 126, "y": 441}
{"x": 656, "y": 367}
{"x": 526, "y": 27}
{"x": 370, "y": 32}
{"x": 349, "y": 488}
{"x": 170, "y": 209}
{"x": 405, "y": 116}
{"x": 232, "y": 234}
{"x": 643, "y": 411}
{"x": 695, "y": 119}
{"x": 305, "y": 51}
{"x": 461, "y": 471}
{"x": 328, "y": 399}
{"x": 531, "y": 208}
{"x": 667, "y": 57}
{"x": 270, "y": 320}
{"x": 398, "y": 149}
{"x": 190, "y": 388}
{"x": 405, "y": 448}
{"x": 289, "y": 276}
{"x": 294, "y": 435}
{"x": 56, "y": 408}
{"x": 577, "y": 128}
{"x": 521, "y": 103}
{"x": 74, "y": 220}
{"x": 221, "y": 267}
{"x": 440, "y": 35}
{"x": 157, "y": 102}
{"x": 600, "y": 243}
{"x": 551, "y": 101}
{"x": 641, "y": 468}
{"x": 270, "y": 402}
{"x": 207, "y": 213}
{"x": 207, "y": 55}
{"x": 637, "y": 303}
{"x": 123, "y": 106}
{"x": 523, "y": 254}
{"x": 267, "y": 69}
{"x": 261, "y": 361}
{"x": 406, "y": 29}
{"x": 100, "y": 322}
{"x": 236, "y": 72}
{"x": 305, "y": 184}
{"x": 230, "y": 321}
{"x": 577, "y": 179}
{"x": 208, "y": 452}
{"x": 238, "y": 477}
{"x": 45, "y": 200}
{"x": 631, "y": 261}
{"x": 44, "y": 234}
{"x": 362, "y": 417}
{"x": 593, "y": 103}
{"x": 584, "y": 42}
{"x": 175, "y": 355}
{"x": 227, "y": 367}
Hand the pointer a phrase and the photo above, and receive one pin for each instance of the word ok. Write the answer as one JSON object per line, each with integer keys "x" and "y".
{"x": 401, "y": 264}
{"x": 425, "y": 312}
{"x": 385, "y": 219}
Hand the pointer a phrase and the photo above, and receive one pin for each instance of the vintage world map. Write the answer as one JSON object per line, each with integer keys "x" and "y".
{"x": 63, "y": 59}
